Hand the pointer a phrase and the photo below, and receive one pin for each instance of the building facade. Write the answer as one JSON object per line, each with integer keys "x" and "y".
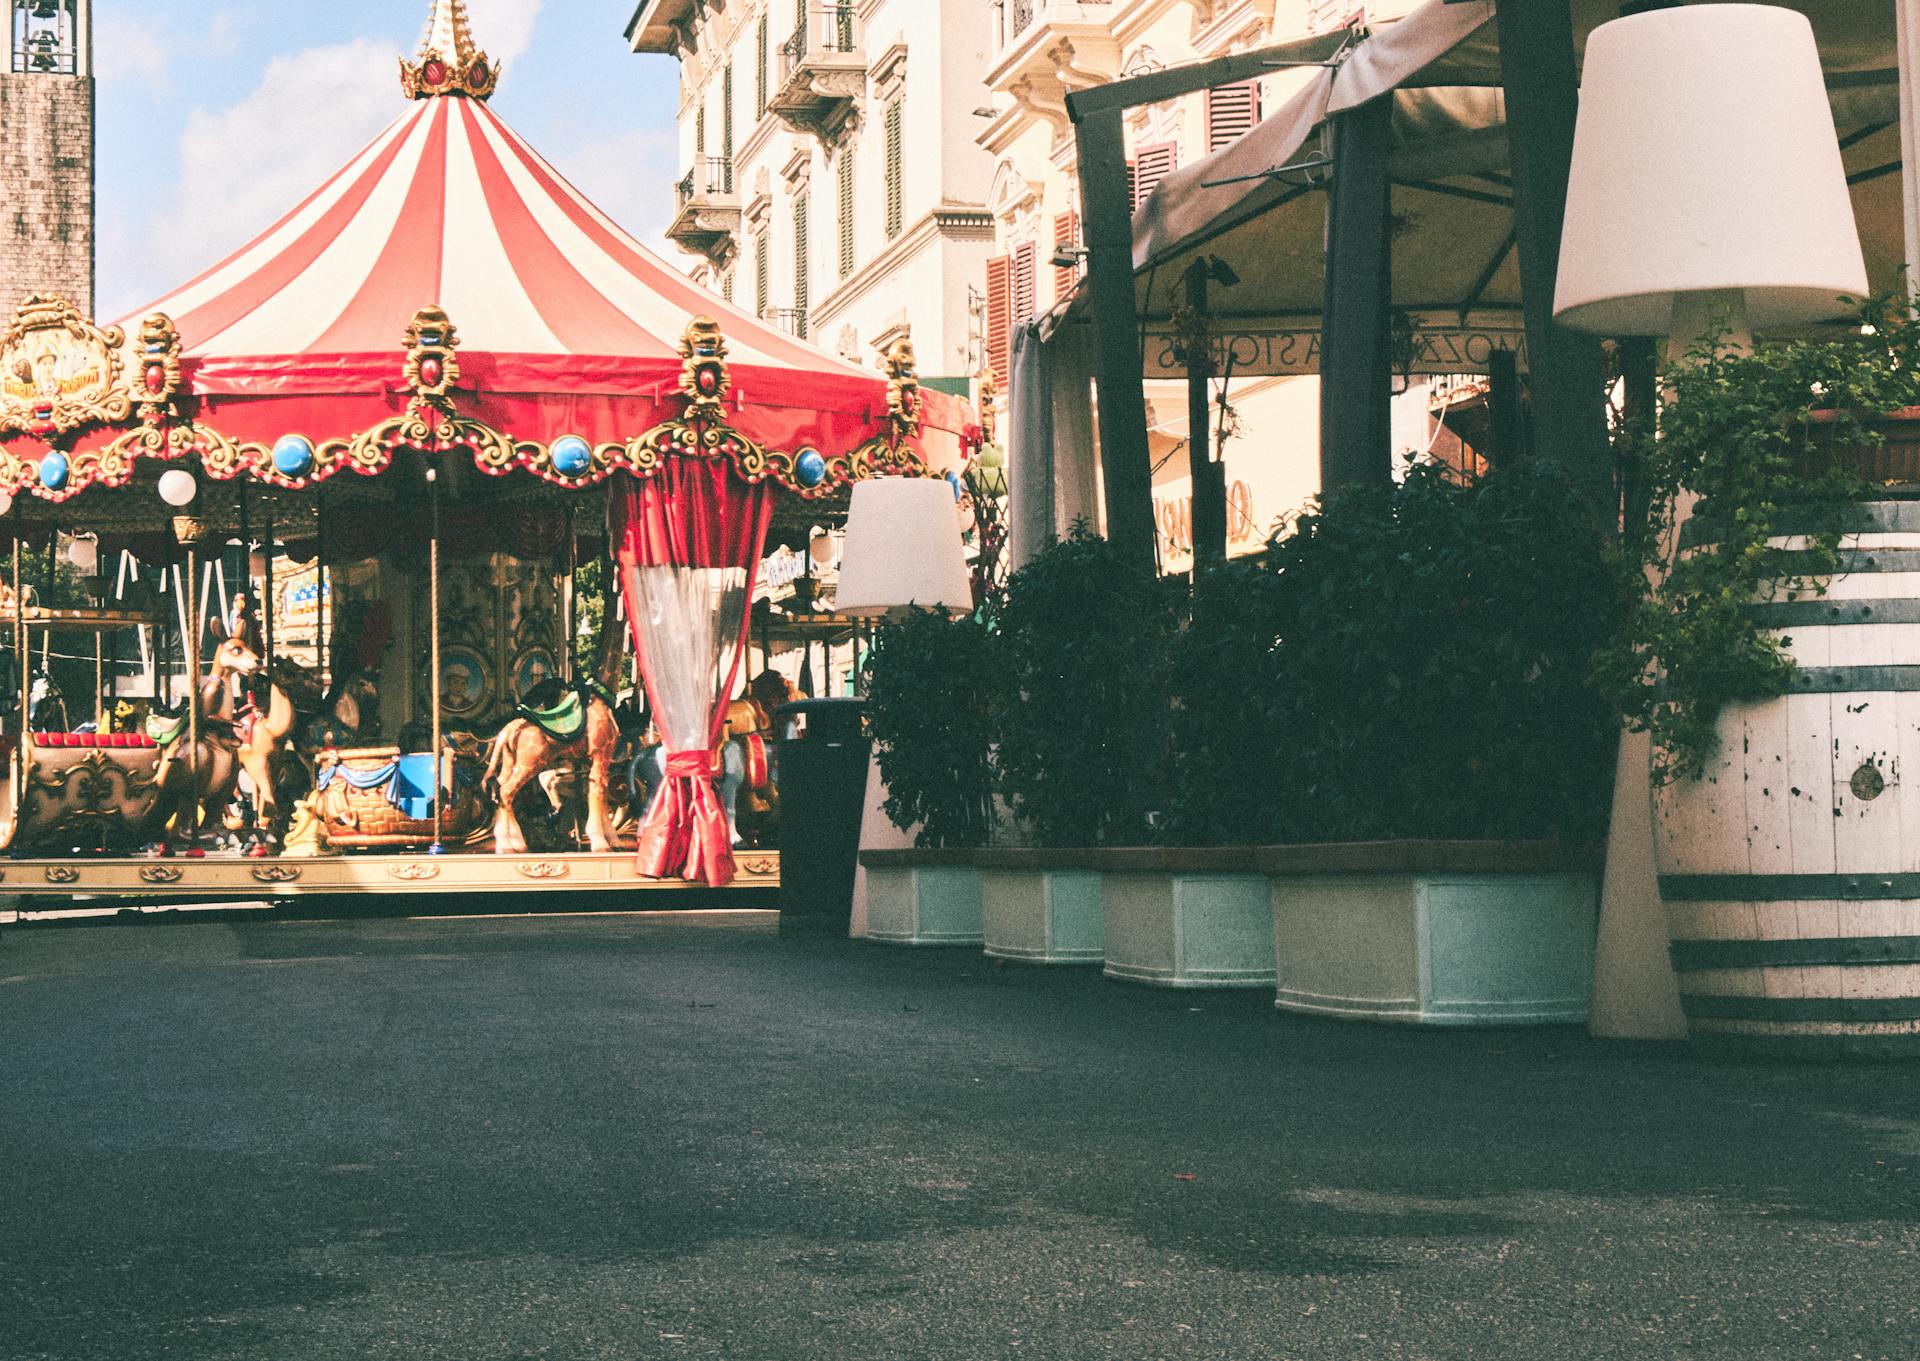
{"x": 833, "y": 184}
{"x": 46, "y": 154}
{"x": 1044, "y": 50}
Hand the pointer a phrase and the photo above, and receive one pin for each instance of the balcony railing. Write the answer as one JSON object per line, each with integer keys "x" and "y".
{"x": 710, "y": 176}
{"x": 827, "y": 29}
{"x": 1017, "y": 16}
{"x": 792, "y": 320}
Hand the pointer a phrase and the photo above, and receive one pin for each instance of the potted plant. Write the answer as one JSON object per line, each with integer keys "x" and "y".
{"x": 1769, "y": 661}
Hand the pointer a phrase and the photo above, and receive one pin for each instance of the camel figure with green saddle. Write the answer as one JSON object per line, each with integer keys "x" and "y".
{"x": 557, "y": 724}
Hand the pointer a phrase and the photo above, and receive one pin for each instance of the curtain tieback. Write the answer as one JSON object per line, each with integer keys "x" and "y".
{"x": 690, "y": 764}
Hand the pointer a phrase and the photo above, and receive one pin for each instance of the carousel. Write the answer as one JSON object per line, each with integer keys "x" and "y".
{"x": 513, "y": 475}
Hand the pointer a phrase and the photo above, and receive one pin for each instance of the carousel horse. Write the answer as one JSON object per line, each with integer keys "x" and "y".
{"x": 556, "y": 725}
{"x": 231, "y": 740}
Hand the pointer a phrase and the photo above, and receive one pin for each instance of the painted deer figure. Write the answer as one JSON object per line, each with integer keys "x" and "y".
{"x": 230, "y": 742}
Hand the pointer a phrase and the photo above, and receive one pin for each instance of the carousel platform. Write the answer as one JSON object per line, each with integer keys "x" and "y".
{"x": 214, "y": 877}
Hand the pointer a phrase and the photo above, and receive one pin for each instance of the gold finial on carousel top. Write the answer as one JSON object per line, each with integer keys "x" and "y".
{"x": 903, "y": 390}
{"x": 448, "y": 62}
{"x": 703, "y": 375}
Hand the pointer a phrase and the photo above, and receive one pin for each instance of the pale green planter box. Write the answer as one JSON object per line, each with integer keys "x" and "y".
{"x": 1437, "y": 946}
{"x": 1042, "y": 916}
{"x": 923, "y": 904}
{"x": 1178, "y": 927}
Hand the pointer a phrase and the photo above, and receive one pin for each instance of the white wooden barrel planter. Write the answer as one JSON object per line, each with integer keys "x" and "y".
{"x": 1791, "y": 870}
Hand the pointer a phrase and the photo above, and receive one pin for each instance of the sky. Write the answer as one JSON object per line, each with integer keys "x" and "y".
{"x": 216, "y": 118}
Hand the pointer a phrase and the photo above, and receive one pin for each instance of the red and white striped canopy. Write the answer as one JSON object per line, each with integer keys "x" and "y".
{"x": 449, "y": 206}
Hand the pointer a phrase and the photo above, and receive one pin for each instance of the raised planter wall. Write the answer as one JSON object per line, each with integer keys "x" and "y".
{"x": 922, "y": 898}
{"x": 1042, "y": 916}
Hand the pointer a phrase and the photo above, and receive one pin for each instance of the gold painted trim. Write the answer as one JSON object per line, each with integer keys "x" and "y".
{"x": 543, "y": 869}
{"x": 415, "y": 871}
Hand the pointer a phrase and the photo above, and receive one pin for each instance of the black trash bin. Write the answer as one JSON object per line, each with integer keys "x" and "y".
{"x": 823, "y": 791}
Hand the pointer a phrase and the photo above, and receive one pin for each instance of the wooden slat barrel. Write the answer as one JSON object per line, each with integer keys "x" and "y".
{"x": 1791, "y": 870}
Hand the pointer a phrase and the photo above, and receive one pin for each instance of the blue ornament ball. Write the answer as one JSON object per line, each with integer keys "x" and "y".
{"x": 293, "y": 456}
{"x": 810, "y": 468}
{"x": 53, "y": 471}
{"x": 953, "y": 480}
{"x": 572, "y": 456}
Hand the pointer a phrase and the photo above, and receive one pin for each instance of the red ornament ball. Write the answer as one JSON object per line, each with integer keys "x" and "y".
{"x": 156, "y": 378}
{"x": 430, "y": 372}
{"x": 434, "y": 73}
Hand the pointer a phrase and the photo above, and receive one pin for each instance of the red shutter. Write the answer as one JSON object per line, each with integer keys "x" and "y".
{"x": 1232, "y": 110}
{"x": 1000, "y": 317}
{"x": 1026, "y": 285}
{"x": 1153, "y": 164}
{"x": 1066, "y": 237}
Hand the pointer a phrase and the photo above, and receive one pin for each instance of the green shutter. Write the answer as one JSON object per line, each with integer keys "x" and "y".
{"x": 800, "y": 264}
{"x": 700, "y": 130}
{"x": 846, "y": 211}
{"x": 761, "y": 267}
{"x": 726, "y": 128}
{"x": 760, "y": 71}
{"x": 895, "y": 220}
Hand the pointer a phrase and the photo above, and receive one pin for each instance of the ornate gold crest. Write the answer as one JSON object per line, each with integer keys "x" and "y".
{"x": 703, "y": 375}
{"x": 58, "y": 370}
{"x": 432, "y": 367}
{"x": 903, "y": 391}
{"x": 156, "y": 357}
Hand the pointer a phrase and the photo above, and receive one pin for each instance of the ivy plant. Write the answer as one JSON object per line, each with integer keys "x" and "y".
{"x": 1747, "y": 443}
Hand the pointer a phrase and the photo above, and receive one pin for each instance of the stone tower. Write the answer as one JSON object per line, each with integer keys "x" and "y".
{"x": 46, "y": 152}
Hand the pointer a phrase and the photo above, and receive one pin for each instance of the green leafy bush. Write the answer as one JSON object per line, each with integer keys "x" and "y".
{"x": 1409, "y": 661}
{"x": 932, "y": 688}
{"x": 1083, "y": 731}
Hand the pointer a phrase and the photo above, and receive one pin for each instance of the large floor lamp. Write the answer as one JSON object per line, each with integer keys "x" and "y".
{"x": 1707, "y": 198}
{"x": 903, "y": 551}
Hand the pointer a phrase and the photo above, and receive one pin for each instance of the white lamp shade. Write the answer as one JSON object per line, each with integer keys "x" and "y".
{"x": 1705, "y": 160}
{"x": 84, "y": 553}
{"x": 903, "y": 548}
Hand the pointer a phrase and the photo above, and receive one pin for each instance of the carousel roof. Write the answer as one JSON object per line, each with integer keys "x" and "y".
{"x": 448, "y": 289}
{"x": 450, "y": 206}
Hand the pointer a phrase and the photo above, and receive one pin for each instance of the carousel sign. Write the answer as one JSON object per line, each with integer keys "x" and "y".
{"x": 58, "y": 370}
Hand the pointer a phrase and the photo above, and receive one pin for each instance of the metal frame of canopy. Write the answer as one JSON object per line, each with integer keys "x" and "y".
{"x": 1475, "y": 136}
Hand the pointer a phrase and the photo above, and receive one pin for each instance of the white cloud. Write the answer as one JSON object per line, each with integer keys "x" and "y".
{"x": 243, "y": 167}
{"x": 127, "y": 50}
{"x": 503, "y": 27}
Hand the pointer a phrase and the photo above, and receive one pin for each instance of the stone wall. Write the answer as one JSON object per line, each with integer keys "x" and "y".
{"x": 46, "y": 189}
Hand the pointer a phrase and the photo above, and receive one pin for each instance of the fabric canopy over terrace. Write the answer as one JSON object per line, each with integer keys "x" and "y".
{"x": 1259, "y": 203}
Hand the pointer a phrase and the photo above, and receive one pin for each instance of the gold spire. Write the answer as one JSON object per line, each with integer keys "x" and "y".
{"x": 448, "y": 62}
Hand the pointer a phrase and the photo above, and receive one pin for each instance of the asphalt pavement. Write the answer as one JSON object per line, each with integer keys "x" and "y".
{"x": 681, "y": 1135}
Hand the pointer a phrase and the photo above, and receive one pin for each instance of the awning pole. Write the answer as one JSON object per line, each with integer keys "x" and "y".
{"x": 1907, "y": 32}
{"x": 21, "y": 756}
{"x": 1542, "y": 92}
{"x": 1208, "y": 477}
{"x": 1356, "y": 375}
{"x": 1125, "y": 460}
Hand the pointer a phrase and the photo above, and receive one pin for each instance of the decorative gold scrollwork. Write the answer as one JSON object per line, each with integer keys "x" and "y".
{"x": 704, "y": 379}
{"x": 415, "y": 870}
{"x": 160, "y": 874}
{"x": 59, "y": 371}
{"x": 543, "y": 869}
{"x": 62, "y": 874}
{"x": 275, "y": 874}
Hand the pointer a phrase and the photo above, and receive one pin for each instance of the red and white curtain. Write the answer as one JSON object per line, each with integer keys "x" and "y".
{"x": 688, "y": 542}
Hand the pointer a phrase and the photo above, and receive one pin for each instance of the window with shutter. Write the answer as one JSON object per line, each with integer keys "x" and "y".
{"x": 1133, "y": 185}
{"x": 726, "y": 286}
{"x": 1000, "y": 316}
{"x": 1150, "y": 166}
{"x": 1232, "y": 110}
{"x": 726, "y": 129}
{"x": 700, "y": 129}
{"x": 1026, "y": 283}
{"x": 1066, "y": 239}
{"x": 895, "y": 218}
{"x": 762, "y": 267}
{"x": 800, "y": 265}
{"x": 846, "y": 211}
{"x": 761, "y": 52}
